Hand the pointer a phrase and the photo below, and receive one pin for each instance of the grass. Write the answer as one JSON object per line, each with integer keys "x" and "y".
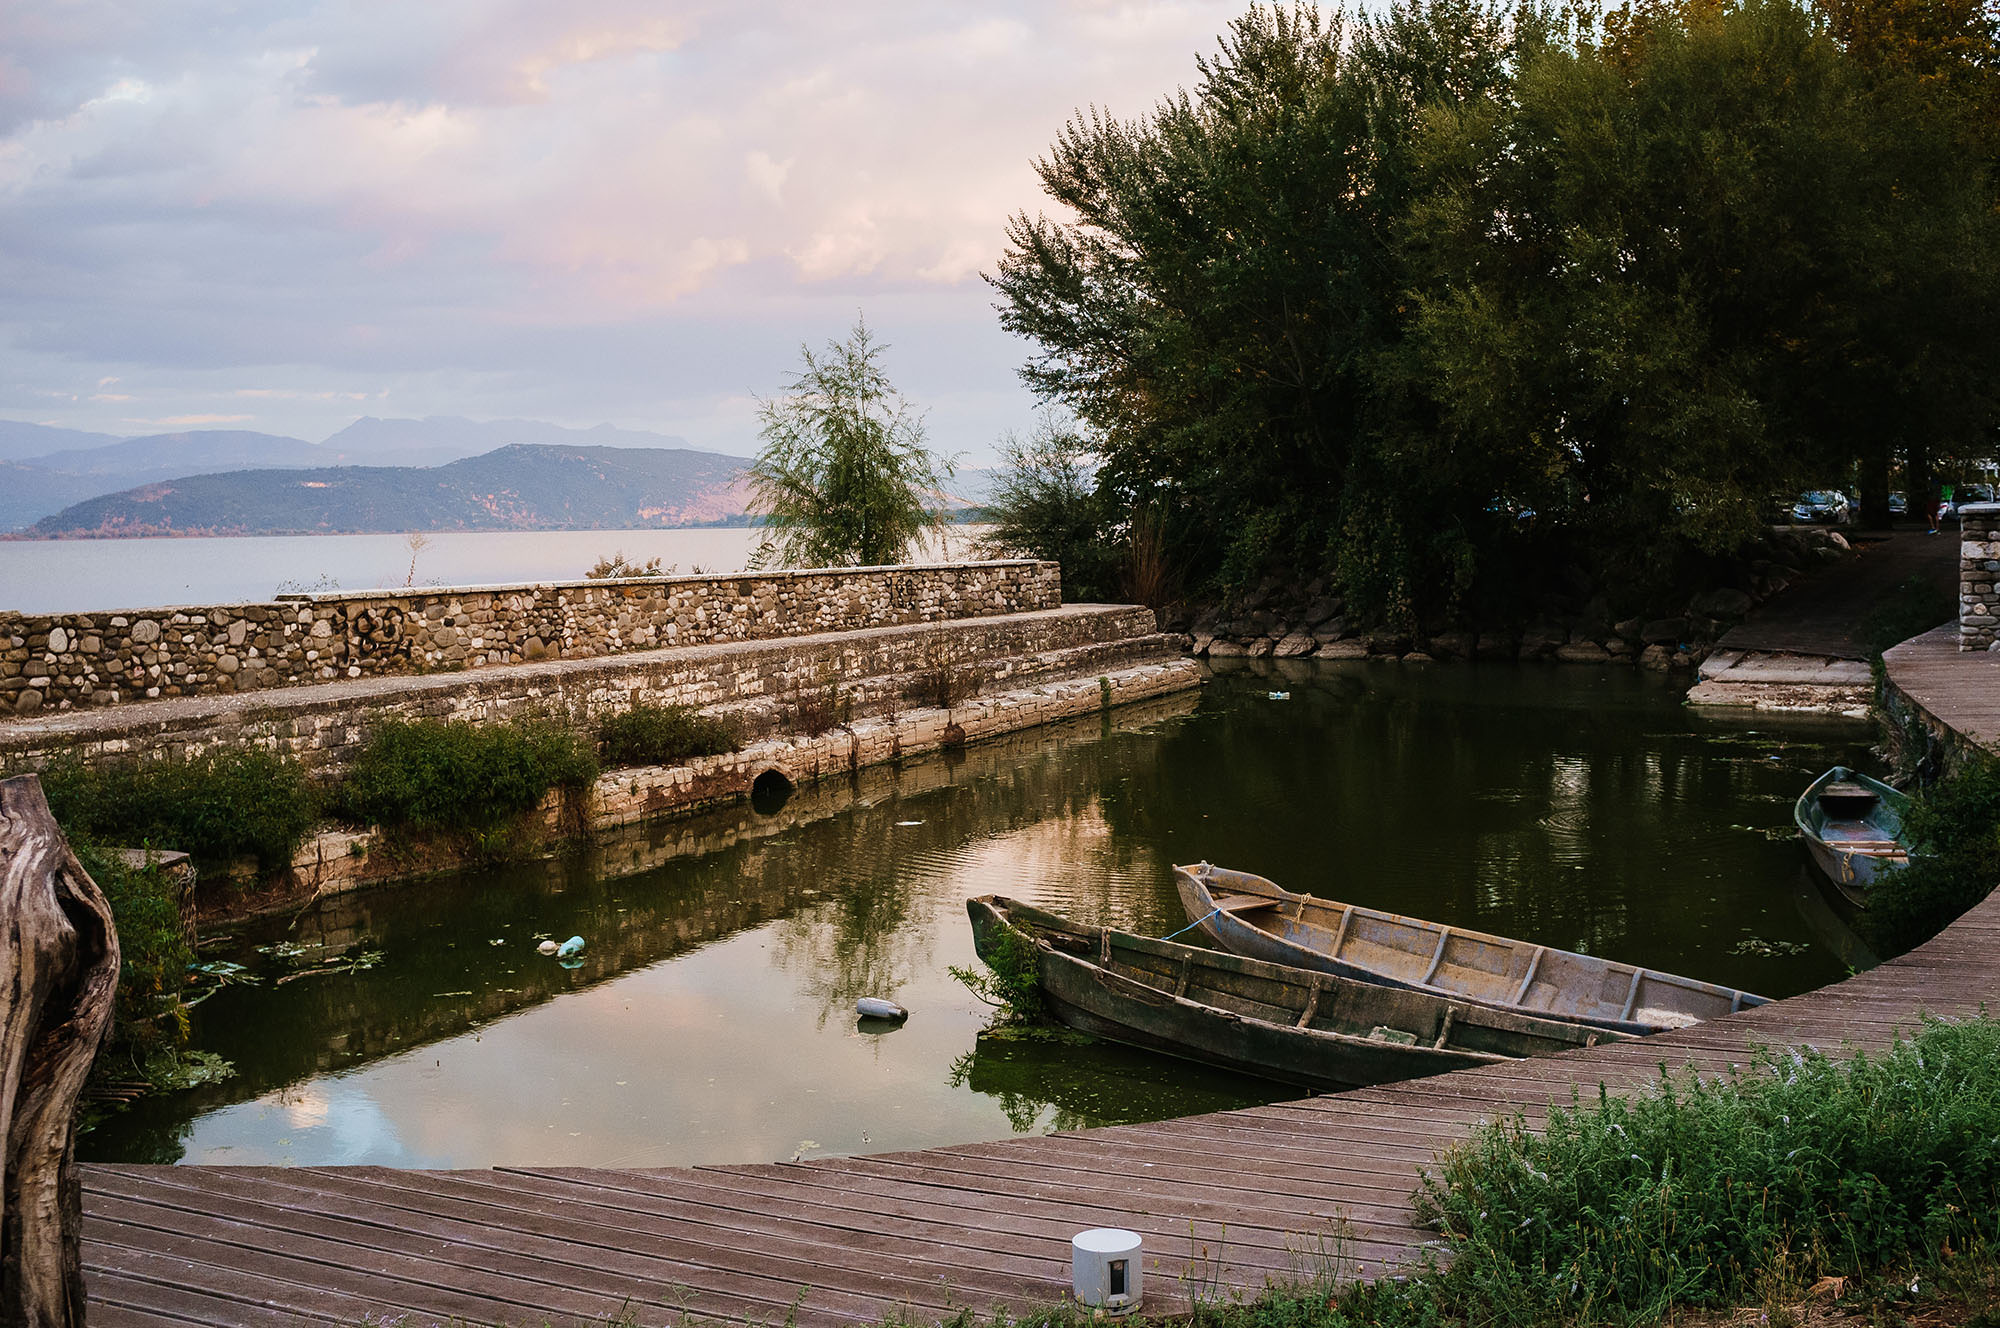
{"x": 665, "y": 735}
{"x": 218, "y": 807}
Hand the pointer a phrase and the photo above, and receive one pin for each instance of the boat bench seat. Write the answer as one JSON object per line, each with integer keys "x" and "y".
{"x": 1244, "y": 903}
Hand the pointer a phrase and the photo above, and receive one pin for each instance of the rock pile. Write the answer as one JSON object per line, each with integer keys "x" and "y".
{"x": 1572, "y": 620}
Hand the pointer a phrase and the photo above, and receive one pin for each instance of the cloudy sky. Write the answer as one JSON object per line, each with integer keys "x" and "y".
{"x": 280, "y": 216}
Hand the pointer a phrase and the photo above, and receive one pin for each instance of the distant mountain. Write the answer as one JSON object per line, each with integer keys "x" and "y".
{"x": 441, "y": 438}
{"x": 29, "y": 493}
{"x": 20, "y": 440}
{"x": 164, "y": 456}
{"x": 519, "y": 487}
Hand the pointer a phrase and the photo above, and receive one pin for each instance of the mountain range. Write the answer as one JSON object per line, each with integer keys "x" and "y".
{"x": 44, "y": 470}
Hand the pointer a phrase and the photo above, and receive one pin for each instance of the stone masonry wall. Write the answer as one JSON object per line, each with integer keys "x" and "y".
{"x": 1979, "y": 576}
{"x": 68, "y": 661}
{"x": 762, "y": 684}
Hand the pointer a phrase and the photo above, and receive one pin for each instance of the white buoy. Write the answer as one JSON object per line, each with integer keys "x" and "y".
{"x": 1104, "y": 1270}
{"x": 874, "y": 1007}
{"x": 547, "y": 947}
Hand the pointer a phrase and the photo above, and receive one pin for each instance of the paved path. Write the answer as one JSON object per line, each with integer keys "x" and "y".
{"x": 1824, "y": 615}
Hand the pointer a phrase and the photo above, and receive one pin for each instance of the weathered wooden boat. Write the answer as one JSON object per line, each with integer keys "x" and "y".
{"x": 1853, "y": 828}
{"x": 1249, "y": 915}
{"x": 1317, "y": 1030}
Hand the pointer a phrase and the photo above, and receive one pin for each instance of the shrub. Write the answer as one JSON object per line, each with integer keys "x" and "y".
{"x": 665, "y": 735}
{"x": 153, "y": 949}
{"x": 436, "y": 776}
{"x": 1698, "y": 1192}
{"x": 1955, "y": 829}
{"x": 216, "y": 807}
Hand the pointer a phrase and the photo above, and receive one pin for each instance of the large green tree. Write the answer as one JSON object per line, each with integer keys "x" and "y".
{"x": 844, "y": 477}
{"x": 1698, "y": 257}
{"x": 1213, "y": 304}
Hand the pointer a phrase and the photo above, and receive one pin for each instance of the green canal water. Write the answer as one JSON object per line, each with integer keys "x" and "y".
{"x": 711, "y": 1018}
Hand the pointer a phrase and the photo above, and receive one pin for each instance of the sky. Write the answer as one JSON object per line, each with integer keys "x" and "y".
{"x": 246, "y": 214}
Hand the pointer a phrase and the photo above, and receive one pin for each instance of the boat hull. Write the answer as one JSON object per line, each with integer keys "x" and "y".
{"x": 1391, "y": 950}
{"x": 1254, "y": 1018}
{"x": 1853, "y": 840}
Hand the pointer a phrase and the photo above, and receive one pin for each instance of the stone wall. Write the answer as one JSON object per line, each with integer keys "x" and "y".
{"x": 763, "y": 684}
{"x": 66, "y": 661}
{"x": 1979, "y": 576}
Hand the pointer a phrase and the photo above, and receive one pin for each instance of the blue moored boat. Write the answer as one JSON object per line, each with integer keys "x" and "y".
{"x": 1853, "y": 827}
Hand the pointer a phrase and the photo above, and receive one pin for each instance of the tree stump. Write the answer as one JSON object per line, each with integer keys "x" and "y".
{"x": 58, "y": 980}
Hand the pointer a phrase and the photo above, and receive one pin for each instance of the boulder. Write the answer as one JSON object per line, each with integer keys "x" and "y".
{"x": 1582, "y": 652}
{"x": 1223, "y": 648}
{"x": 1496, "y": 645}
{"x": 1725, "y": 603}
{"x": 1386, "y": 643}
{"x": 1350, "y": 648}
{"x": 1630, "y": 629}
{"x": 1657, "y": 658}
{"x": 1294, "y": 645}
{"x": 1663, "y": 631}
{"x": 1199, "y": 643}
{"x": 1454, "y": 645}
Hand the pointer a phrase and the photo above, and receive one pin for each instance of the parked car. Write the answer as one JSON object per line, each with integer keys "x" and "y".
{"x": 1825, "y": 507}
{"x": 1899, "y": 504}
{"x": 1961, "y": 494}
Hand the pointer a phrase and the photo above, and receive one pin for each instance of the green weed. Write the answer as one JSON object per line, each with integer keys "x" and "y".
{"x": 665, "y": 735}
{"x": 217, "y": 807}
{"x": 437, "y": 777}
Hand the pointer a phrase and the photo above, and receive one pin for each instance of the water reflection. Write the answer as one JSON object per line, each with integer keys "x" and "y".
{"x": 712, "y": 1017}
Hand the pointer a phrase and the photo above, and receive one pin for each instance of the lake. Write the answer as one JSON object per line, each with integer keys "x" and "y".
{"x": 711, "y": 1019}
{"x": 86, "y": 576}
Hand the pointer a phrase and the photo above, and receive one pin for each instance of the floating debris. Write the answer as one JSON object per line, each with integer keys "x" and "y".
{"x": 1760, "y": 948}
{"x": 547, "y": 947}
{"x": 367, "y": 959}
{"x": 570, "y": 948}
{"x": 1280, "y": 696}
{"x": 909, "y": 823}
{"x": 875, "y": 1007}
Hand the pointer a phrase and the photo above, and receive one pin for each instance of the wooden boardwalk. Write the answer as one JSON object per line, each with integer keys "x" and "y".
{"x": 1960, "y": 689}
{"x": 1226, "y": 1200}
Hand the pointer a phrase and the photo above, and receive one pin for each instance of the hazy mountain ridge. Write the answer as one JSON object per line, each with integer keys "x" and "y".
{"x": 45, "y": 469}
{"x": 517, "y": 487}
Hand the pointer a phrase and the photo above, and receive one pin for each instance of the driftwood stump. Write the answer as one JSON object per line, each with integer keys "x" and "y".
{"x": 58, "y": 979}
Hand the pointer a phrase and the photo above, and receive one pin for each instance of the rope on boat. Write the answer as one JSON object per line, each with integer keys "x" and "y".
{"x": 1192, "y": 925}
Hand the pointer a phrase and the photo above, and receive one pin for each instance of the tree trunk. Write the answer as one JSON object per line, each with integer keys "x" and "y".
{"x": 58, "y": 980}
{"x": 1874, "y": 513}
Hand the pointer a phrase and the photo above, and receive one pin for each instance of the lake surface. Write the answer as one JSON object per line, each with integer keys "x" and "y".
{"x": 86, "y": 576}
{"x": 711, "y": 1019}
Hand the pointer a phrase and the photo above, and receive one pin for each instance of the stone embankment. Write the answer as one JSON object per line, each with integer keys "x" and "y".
{"x": 1572, "y": 621}
{"x": 822, "y": 672}
{"x": 69, "y": 661}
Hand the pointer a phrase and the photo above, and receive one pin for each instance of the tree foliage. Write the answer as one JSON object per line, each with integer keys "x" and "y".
{"x": 1410, "y": 296}
{"x": 1045, "y": 504}
{"x": 844, "y": 476}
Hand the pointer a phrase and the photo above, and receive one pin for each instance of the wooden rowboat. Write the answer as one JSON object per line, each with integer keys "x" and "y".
{"x": 1248, "y": 915}
{"x": 1312, "y": 1029}
{"x": 1853, "y": 828}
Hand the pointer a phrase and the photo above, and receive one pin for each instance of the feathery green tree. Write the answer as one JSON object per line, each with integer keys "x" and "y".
{"x": 844, "y": 476}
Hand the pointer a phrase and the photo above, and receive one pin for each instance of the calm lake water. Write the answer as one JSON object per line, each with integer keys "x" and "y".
{"x": 712, "y": 1017}
{"x": 85, "y": 576}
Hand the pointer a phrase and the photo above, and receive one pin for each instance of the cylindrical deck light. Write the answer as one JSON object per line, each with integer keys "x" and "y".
{"x": 1104, "y": 1270}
